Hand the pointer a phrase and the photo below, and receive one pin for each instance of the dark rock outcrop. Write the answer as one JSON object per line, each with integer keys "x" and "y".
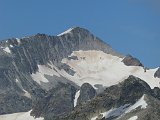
{"x": 157, "y": 73}
{"x": 131, "y": 61}
{"x": 156, "y": 93}
{"x": 13, "y": 101}
{"x": 87, "y": 92}
{"x": 57, "y": 102}
{"x": 124, "y": 94}
{"x": 151, "y": 112}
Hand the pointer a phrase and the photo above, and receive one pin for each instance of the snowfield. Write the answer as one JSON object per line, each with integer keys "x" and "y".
{"x": 19, "y": 116}
{"x": 97, "y": 67}
{"x": 94, "y": 67}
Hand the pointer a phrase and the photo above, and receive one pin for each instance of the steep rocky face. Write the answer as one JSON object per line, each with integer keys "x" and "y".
{"x": 57, "y": 102}
{"x": 157, "y": 73}
{"x": 87, "y": 92}
{"x": 44, "y": 74}
{"x": 12, "y": 101}
{"x": 151, "y": 112}
{"x": 121, "y": 97}
{"x": 131, "y": 61}
{"x": 19, "y": 59}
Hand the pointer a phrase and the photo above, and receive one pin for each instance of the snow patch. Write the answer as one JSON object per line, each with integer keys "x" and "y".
{"x": 140, "y": 103}
{"x": 11, "y": 46}
{"x": 18, "y": 40}
{"x": 7, "y": 50}
{"x": 133, "y": 118}
{"x": 19, "y": 116}
{"x": 47, "y": 70}
{"x": 39, "y": 77}
{"x": 43, "y": 70}
{"x": 113, "y": 112}
{"x": 67, "y": 31}
{"x": 17, "y": 80}
{"x": 97, "y": 67}
{"x": 76, "y": 97}
{"x": 26, "y": 93}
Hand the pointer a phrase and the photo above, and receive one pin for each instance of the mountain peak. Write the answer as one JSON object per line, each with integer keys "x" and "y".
{"x": 73, "y": 29}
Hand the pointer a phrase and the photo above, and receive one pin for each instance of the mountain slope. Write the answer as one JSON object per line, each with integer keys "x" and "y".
{"x": 43, "y": 72}
{"x": 132, "y": 97}
{"x": 21, "y": 62}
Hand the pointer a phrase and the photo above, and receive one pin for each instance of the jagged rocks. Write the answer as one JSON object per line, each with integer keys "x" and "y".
{"x": 157, "y": 73}
{"x": 87, "y": 92}
{"x": 57, "y": 102}
{"x": 125, "y": 94}
{"x": 131, "y": 61}
{"x": 132, "y": 89}
{"x": 151, "y": 112}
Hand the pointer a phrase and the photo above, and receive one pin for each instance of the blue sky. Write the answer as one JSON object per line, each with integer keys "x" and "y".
{"x": 129, "y": 26}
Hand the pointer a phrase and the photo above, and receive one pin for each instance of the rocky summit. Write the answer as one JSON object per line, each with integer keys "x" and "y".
{"x": 74, "y": 76}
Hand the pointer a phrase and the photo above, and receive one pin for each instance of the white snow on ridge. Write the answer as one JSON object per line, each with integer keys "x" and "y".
{"x": 18, "y": 40}
{"x": 76, "y": 97}
{"x": 44, "y": 70}
{"x": 65, "y": 32}
{"x": 97, "y": 67}
{"x": 7, "y": 50}
{"x": 133, "y": 118}
{"x": 11, "y": 46}
{"x": 19, "y": 116}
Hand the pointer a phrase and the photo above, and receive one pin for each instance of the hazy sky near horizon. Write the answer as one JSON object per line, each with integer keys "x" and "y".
{"x": 129, "y": 26}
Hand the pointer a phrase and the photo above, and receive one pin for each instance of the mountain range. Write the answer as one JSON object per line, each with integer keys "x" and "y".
{"x": 74, "y": 76}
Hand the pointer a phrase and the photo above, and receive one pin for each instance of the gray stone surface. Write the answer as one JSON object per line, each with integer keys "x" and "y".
{"x": 157, "y": 73}
{"x": 131, "y": 61}
{"x": 87, "y": 92}
{"x": 54, "y": 100}
{"x": 57, "y": 102}
{"x": 127, "y": 92}
{"x": 40, "y": 49}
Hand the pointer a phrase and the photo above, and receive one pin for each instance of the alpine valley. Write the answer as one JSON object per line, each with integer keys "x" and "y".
{"x": 74, "y": 76}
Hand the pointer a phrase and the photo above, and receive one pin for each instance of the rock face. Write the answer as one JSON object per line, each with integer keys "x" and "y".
{"x": 157, "y": 73}
{"x": 33, "y": 76}
{"x": 19, "y": 59}
{"x": 131, "y": 61}
{"x": 57, "y": 102}
{"x": 13, "y": 101}
{"x": 87, "y": 92}
{"x": 121, "y": 97}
